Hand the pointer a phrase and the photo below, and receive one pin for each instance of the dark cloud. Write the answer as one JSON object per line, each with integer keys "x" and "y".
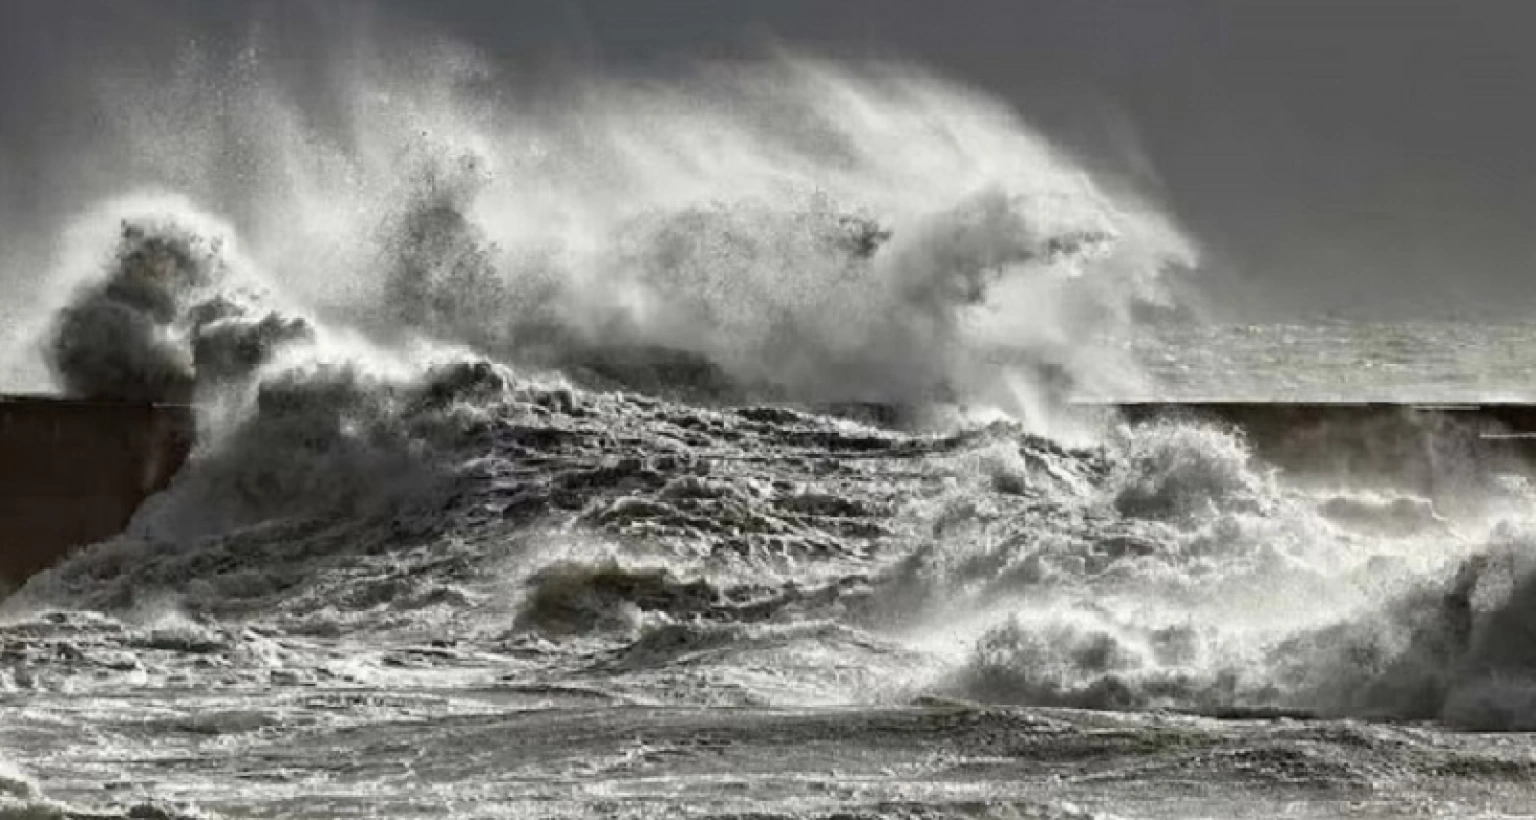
{"x": 1332, "y": 154}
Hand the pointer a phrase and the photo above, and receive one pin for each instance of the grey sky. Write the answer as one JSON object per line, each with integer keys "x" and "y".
{"x": 1331, "y": 154}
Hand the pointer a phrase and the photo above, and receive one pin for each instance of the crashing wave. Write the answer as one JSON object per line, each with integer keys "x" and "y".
{"x": 403, "y": 421}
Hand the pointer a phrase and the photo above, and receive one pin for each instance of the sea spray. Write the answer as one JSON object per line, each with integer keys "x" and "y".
{"x": 171, "y": 305}
{"x": 377, "y": 366}
{"x": 792, "y": 229}
{"x": 840, "y": 241}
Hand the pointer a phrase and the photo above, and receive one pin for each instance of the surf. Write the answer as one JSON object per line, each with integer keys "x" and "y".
{"x": 557, "y": 369}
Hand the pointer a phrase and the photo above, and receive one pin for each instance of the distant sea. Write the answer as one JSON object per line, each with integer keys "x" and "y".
{"x": 1338, "y": 360}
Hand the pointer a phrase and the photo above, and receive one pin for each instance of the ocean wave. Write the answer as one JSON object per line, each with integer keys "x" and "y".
{"x": 558, "y": 382}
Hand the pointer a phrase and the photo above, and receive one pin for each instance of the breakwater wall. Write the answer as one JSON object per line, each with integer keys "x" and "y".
{"x": 73, "y": 472}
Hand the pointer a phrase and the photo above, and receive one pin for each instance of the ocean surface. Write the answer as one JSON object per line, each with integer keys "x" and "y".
{"x": 550, "y": 465}
{"x": 1340, "y": 360}
{"x": 611, "y": 605}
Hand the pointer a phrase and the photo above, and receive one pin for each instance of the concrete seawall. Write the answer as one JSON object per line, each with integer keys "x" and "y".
{"x": 73, "y": 473}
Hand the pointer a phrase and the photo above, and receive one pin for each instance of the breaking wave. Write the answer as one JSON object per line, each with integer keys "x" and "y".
{"x": 549, "y": 376}
{"x": 793, "y": 229}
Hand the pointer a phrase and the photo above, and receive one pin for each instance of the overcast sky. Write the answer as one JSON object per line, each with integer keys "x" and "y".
{"x": 1345, "y": 155}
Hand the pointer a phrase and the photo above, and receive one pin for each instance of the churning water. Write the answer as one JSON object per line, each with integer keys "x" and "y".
{"x": 533, "y": 433}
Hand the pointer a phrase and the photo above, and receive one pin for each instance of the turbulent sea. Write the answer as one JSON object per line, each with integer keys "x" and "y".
{"x": 735, "y": 465}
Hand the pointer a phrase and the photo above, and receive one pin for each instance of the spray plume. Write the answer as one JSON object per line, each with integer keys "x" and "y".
{"x": 792, "y": 229}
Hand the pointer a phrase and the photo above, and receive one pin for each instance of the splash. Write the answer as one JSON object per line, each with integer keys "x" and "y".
{"x": 791, "y": 229}
{"x": 166, "y": 311}
{"x": 372, "y": 362}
